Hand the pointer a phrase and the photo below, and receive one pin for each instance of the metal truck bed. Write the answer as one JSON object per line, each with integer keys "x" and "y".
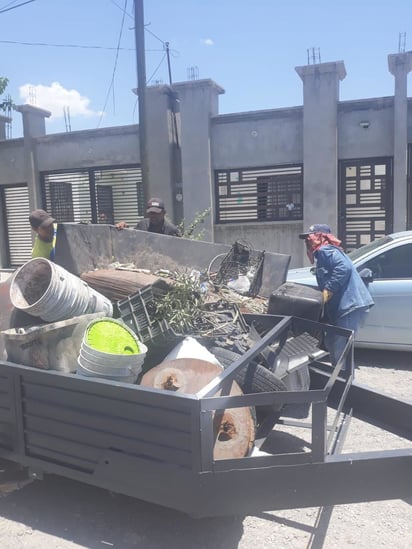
{"x": 158, "y": 446}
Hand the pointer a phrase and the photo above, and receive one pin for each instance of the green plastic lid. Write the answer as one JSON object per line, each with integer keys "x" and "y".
{"x": 109, "y": 336}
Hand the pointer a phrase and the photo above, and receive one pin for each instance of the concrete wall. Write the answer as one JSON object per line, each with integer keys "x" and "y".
{"x": 409, "y": 121}
{"x": 258, "y": 139}
{"x": 88, "y": 149}
{"x": 319, "y": 134}
{"x": 355, "y": 141}
{"x": 12, "y": 162}
{"x": 280, "y": 237}
{"x": 265, "y": 138}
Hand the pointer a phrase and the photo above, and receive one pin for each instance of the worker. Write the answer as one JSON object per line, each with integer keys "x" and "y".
{"x": 155, "y": 221}
{"x": 345, "y": 296}
{"x": 45, "y": 227}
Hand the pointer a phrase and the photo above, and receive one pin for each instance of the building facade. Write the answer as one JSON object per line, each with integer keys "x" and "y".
{"x": 265, "y": 175}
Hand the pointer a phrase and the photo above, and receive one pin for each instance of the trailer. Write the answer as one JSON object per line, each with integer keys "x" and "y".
{"x": 158, "y": 446}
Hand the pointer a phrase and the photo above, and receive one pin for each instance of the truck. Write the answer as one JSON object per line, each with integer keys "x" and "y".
{"x": 159, "y": 446}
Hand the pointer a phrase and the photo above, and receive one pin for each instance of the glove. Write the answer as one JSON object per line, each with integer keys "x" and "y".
{"x": 327, "y": 295}
{"x": 121, "y": 225}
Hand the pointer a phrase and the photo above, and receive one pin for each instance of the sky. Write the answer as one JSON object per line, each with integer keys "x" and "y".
{"x": 249, "y": 47}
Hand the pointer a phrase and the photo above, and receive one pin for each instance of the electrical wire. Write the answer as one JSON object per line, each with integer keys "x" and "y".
{"x": 157, "y": 68}
{"x": 14, "y": 7}
{"x": 154, "y": 72}
{"x": 111, "y": 86}
{"x": 82, "y": 46}
{"x": 155, "y": 35}
{"x": 9, "y": 4}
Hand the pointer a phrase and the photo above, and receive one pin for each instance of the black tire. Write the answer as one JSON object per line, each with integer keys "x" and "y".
{"x": 253, "y": 378}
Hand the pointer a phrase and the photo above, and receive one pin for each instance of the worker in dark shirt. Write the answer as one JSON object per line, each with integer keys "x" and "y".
{"x": 155, "y": 221}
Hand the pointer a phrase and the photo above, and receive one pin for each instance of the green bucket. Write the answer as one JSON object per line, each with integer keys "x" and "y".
{"x": 112, "y": 337}
{"x": 111, "y": 350}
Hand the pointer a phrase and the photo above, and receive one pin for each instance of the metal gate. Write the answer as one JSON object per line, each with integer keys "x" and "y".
{"x": 102, "y": 195}
{"x": 409, "y": 189}
{"x": 365, "y": 200}
{"x": 259, "y": 194}
{"x": 15, "y": 199}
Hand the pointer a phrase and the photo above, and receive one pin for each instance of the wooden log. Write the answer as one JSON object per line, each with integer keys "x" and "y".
{"x": 233, "y": 428}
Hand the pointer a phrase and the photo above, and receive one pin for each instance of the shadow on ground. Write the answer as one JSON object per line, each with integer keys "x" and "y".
{"x": 383, "y": 359}
{"x": 96, "y": 518}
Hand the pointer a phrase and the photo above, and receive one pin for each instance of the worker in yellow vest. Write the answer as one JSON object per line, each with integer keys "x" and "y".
{"x": 45, "y": 227}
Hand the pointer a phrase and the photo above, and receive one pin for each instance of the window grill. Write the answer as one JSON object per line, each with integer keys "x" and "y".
{"x": 259, "y": 194}
{"x": 105, "y": 195}
{"x": 365, "y": 200}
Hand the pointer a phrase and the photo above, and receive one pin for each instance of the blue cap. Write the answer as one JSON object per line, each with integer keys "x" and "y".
{"x": 317, "y": 228}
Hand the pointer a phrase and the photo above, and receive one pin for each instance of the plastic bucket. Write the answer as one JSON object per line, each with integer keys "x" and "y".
{"x": 110, "y": 349}
{"x": 130, "y": 377}
{"x": 111, "y": 368}
{"x": 44, "y": 289}
{"x": 113, "y": 361}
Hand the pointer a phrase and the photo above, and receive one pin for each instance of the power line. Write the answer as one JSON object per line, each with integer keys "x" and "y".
{"x": 68, "y": 46}
{"x": 9, "y": 4}
{"x": 157, "y": 68}
{"x": 111, "y": 86}
{"x": 145, "y": 26}
{"x": 14, "y": 7}
{"x": 153, "y": 34}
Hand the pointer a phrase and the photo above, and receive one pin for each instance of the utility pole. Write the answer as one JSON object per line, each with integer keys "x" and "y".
{"x": 141, "y": 93}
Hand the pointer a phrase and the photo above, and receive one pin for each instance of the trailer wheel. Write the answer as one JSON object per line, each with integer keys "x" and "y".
{"x": 253, "y": 378}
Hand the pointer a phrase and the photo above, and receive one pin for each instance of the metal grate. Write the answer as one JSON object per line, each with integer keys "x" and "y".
{"x": 16, "y": 223}
{"x": 105, "y": 195}
{"x": 259, "y": 194}
{"x": 365, "y": 201}
{"x": 409, "y": 189}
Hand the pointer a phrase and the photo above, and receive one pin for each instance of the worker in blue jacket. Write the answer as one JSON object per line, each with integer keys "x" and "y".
{"x": 345, "y": 295}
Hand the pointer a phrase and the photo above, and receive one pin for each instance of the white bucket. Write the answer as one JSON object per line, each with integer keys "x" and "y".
{"x": 112, "y": 360}
{"x": 44, "y": 289}
{"x": 101, "y": 364}
{"x": 82, "y": 370}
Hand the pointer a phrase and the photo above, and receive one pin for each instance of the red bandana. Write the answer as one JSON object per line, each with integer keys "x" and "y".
{"x": 315, "y": 241}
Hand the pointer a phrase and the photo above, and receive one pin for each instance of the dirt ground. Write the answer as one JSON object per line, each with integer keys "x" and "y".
{"x": 61, "y": 514}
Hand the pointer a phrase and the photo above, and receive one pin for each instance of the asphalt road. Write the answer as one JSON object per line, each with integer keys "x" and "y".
{"x": 62, "y": 514}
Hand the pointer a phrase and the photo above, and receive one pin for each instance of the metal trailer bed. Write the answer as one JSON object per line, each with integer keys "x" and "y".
{"x": 158, "y": 446}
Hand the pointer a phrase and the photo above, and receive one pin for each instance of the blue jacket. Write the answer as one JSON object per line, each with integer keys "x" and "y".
{"x": 335, "y": 272}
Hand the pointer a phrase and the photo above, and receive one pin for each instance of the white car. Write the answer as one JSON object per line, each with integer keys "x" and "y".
{"x": 389, "y": 323}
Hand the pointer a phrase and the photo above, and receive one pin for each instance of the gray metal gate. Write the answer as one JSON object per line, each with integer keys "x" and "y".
{"x": 259, "y": 194}
{"x": 94, "y": 195}
{"x": 365, "y": 200}
{"x": 409, "y": 189}
{"x": 16, "y": 224}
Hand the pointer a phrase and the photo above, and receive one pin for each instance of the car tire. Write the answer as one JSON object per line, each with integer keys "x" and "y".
{"x": 253, "y": 378}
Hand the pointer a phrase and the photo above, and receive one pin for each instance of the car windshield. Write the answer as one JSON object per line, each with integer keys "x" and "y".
{"x": 356, "y": 254}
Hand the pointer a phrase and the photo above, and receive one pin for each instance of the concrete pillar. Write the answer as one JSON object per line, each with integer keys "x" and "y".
{"x": 400, "y": 64}
{"x": 159, "y": 145}
{"x": 320, "y": 142}
{"x": 199, "y": 101}
{"x": 3, "y": 121}
{"x": 33, "y": 126}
